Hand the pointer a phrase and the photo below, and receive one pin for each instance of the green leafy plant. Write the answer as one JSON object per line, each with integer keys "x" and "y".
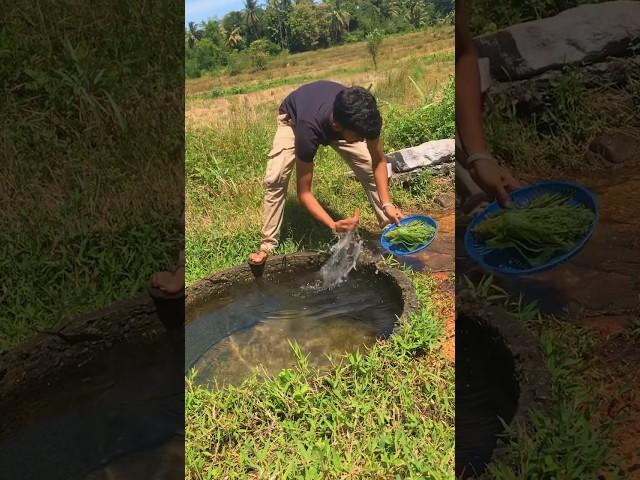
{"x": 411, "y": 235}
{"x": 538, "y": 231}
{"x": 433, "y": 119}
{"x": 374, "y": 41}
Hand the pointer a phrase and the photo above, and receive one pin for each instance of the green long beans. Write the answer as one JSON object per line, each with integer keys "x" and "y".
{"x": 548, "y": 226}
{"x": 411, "y": 235}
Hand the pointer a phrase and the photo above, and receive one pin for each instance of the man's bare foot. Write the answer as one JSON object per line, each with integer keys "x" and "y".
{"x": 169, "y": 282}
{"x": 258, "y": 258}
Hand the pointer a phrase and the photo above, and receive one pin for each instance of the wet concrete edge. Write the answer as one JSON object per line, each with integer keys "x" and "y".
{"x": 32, "y": 367}
{"x": 219, "y": 282}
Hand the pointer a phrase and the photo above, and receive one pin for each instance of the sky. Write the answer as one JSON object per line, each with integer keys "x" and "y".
{"x": 199, "y": 10}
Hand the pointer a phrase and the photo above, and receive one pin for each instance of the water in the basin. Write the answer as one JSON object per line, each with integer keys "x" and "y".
{"x": 120, "y": 417}
{"x": 229, "y": 338}
{"x": 165, "y": 462}
{"x": 486, "y": 392}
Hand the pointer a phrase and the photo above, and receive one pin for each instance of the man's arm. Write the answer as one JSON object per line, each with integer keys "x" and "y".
{"x": 381, "y": 176}
{"x": 468, "y": 91}
{"x": 494, "y": 179}
{"x": 304, "y": 173}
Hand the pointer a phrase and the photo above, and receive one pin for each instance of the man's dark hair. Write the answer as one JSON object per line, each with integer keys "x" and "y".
{"x": 355, "y": 108}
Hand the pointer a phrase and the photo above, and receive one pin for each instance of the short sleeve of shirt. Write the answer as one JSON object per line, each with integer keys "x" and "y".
{"x": 307, "y": 141}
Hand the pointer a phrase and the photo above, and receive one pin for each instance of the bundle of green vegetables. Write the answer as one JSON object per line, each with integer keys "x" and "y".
{"x": 410, "y": 235}
{"x": 548, "y": 226}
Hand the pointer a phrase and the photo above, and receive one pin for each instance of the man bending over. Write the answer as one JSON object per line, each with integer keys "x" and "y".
{"x": 324, "y": 113}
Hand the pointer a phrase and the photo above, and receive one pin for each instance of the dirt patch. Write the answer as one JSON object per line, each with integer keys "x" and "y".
{"x": 607, "y": 325}
{"x": 439, "y": 258}
{"x": 445, "y": 299}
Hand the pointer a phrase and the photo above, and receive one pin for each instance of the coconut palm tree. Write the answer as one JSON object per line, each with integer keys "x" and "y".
{"x": 193, "y": 34}
{"x": 281, "y": 7}
{"x": 339, "y": 20}
{"x": 233, "y": 38}
{"x": 251, "y": 18}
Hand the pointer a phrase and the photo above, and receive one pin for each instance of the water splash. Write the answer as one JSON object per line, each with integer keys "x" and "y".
{"x": 344, "y": 255}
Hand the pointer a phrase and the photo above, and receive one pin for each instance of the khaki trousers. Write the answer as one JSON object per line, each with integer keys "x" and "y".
{"x": 280, "y": 165}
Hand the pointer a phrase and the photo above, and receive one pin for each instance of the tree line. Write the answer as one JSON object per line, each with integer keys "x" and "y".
{"x": 245, "y": 39}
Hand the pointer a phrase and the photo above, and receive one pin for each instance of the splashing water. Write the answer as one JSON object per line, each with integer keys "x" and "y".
{"x": 344, "y": 255}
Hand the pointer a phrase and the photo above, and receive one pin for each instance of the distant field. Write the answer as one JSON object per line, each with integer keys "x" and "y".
{"x": 427, "y": 57}
{"x": 395, "y": 48}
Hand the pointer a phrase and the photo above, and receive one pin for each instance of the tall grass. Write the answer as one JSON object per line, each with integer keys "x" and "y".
{"x": 553, "y": 128}
{"x": 433, "y": 120}
{"x": 90, "y": 155}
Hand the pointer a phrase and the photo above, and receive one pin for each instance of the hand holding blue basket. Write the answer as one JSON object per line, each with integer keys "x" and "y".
{"x": 510, "y": 261}
{"x": 397, "y": 249}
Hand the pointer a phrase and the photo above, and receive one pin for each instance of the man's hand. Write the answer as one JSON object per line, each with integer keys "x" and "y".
{"x": 393, "y": 213}
{"x": 348, "y": 224}
{"x": 494, "y": 179}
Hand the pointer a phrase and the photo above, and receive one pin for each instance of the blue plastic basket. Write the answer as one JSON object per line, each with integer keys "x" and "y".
{"x": 507, "y": 261}
{"x": 399, "y": 251}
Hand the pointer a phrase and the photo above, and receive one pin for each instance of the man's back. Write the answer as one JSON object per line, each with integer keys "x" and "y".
{"x": 310, "y": 107}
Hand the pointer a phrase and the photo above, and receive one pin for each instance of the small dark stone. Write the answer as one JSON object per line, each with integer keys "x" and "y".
{"x": 616, "y": 147}
{"x": 445, "y": 201}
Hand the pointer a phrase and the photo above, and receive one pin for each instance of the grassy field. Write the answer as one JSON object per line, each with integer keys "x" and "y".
{"x": 90, "y": 158}
{"x": 425, "y": 58}
{"x": 351, "y": 57}
{"x": 386, "y": 414}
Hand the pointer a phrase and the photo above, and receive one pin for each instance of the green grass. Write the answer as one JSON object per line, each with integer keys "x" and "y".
{"x": 566, "y": 441}
{"x": 388, "y": 413}
{"x": 434, "y": 119}
{"x": 554, "y": 133}
{"x": 76, "y": 274}
{"x": 90, "y": 148}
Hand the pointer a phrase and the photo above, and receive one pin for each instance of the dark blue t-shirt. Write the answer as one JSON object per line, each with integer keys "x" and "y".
{"x": 310, "y": 107}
